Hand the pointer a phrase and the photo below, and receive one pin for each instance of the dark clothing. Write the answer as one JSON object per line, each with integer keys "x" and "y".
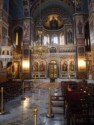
{"x": 73, "y": 101}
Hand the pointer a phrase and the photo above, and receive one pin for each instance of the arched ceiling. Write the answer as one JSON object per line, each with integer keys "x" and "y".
{"x": 43, "y": 6}
{"x": 25, "y": 8}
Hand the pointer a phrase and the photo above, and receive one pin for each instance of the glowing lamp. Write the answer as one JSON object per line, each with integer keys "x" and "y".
{"x": 25, "y": 65}
{"x": 81, "y": 64}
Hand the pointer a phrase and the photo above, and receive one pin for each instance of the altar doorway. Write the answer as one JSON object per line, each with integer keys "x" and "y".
{"x": 53, "y": 70}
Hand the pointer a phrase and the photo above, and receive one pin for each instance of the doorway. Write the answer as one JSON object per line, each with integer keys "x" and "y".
{"x": 53, "y": 74}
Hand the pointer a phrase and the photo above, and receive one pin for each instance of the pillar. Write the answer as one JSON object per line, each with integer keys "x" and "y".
{"x": 26, "y": 49}
{"x": 91, "y": 27}
{"x": 80, "y": 42}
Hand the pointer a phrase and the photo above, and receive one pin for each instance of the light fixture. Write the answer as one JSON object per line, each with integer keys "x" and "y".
{"x": 81, "y": 64}
{"x": 25, "y": 65}
{"x": 38, "y": 47}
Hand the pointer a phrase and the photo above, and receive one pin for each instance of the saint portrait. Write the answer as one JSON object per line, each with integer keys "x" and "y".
{"x": 53, "y": 23}
{"x": 69, "y": 36}
{"x": 35, "y": 68}
{"x": 79, "y": 26}
{"x": 71, "y": 66}
{"x": 26, "y": 29}
{"x": 42, "y": 67}
{"x": 65, "y": 66}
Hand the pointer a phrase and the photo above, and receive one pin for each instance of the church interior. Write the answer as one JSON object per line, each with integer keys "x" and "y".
{"x": 46, "y": 53}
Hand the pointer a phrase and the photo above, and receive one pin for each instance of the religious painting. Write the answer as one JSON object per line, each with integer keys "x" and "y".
{"x": 26, "y": 32}
{"x": 64, "y": 66}
{"x": 79, "y": 26}
{"x": 81, "y": 51}
{"x": 42, "y": 66}
{"x": 35, "y": 67}
{"x": 71, "y": 66}
{"x": 69, "y": 35}
{"x": 53, "y": 69}
{"x": 53, "y": 22}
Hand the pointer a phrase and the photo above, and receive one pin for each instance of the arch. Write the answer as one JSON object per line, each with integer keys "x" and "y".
{"x": 18, "y": 35}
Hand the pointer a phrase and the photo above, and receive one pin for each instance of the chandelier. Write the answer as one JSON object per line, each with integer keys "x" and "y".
{"x": 38, "y": 46}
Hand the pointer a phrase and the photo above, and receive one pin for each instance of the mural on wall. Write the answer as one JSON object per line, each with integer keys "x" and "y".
{"x": 79, "y": 26}
{"x": 53, "y": 22}
{"x": 26, "y": 32}
{"x": 69, "y": 35}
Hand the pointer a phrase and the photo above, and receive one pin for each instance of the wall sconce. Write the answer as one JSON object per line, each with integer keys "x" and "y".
{"x": 25, "y": 65}
{"x": 81, "y": 64}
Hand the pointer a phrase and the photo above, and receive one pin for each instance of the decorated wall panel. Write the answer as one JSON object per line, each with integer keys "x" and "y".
{"x": 79, "y": 26}
{"x": 69, "y": 34}
{"x": 26, "y": 32}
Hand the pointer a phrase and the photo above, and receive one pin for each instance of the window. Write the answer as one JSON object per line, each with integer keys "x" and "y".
{"x": 62, "y": 39}
{"x": 45, "y": 40}
{"x": 54, "y": 40}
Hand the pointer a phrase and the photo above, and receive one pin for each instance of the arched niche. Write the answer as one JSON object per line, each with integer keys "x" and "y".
{"x": 18, "y": 36}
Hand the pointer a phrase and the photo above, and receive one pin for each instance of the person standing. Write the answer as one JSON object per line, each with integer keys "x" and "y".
{"x": 72, "y": 102}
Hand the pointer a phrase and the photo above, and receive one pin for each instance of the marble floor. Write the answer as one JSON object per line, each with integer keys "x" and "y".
{"x": 20, "y": 112}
